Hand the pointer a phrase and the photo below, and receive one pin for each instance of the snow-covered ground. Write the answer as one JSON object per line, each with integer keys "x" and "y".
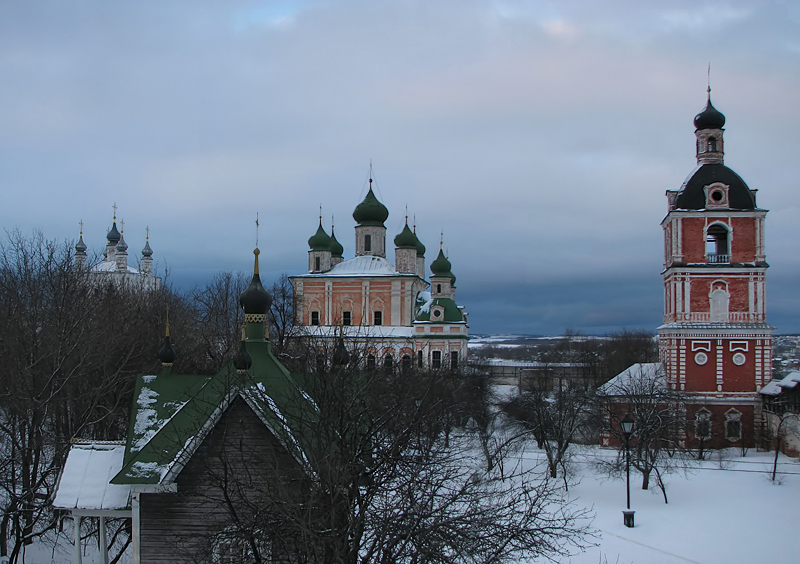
{"x": 724, "y": 511}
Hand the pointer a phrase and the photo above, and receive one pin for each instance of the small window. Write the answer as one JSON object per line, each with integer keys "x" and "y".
{"x": 712, "y": 144}
{"x": 377, "y": 318}
{"x": 419, "y": 359}
{"x": 371, "y": 361}
{"x": 388, "y": 362}
{"x": 454, "y": 360}
{"x": 717, "y": 242}
{"x": 439, "y": 288}
{"x": 405, "y": 363}
{"x": 733, "y": 425}
{"x": 317, "y": 265}
{"x": 436, "y": 360}
{"x": 702, "y": 424}
{"x": 347, "y": 318}
{"x": 368, "y": 243}
{"x": 314, "y": 318}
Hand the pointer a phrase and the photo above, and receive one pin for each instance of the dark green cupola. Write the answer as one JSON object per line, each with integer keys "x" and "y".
{"x": 320, "y": 241}
{"x": 370, "y": 211}
{"x": 406, "y": 239}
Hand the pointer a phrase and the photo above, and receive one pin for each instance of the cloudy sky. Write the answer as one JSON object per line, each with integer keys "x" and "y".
{"x": 539, "y": 137}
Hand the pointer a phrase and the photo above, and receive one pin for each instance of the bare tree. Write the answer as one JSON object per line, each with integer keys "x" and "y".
{"x": 555, "y": 418}
{"x": 642, "y": 392}
{"x": 281, "y": 313}
{"x": 383, "y": 484}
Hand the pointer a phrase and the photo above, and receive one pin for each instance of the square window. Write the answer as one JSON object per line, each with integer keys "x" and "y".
{"x": 377, "y": 318}
{"x": 368, "y": 243}
{"x": 454, "y": 360}
{"x": 436, "y": 360}
{"x": 347, "y": 318}
{"x": 314, "y": 318}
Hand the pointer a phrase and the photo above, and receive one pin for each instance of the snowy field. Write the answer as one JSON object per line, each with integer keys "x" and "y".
{"x": 724, "y": 511}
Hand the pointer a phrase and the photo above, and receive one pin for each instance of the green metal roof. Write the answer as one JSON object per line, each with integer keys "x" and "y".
{"x": 172, "y": 413}
{"x": 452, "y": 313}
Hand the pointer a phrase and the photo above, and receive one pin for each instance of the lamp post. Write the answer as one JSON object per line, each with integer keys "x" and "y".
{"x": 627, "y": 430}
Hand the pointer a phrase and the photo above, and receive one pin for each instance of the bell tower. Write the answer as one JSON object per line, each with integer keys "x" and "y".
{"x": 715, "y": 342}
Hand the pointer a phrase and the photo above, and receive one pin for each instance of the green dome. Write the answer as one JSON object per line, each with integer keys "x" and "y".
{"x": 441, "y": 266}
{"x": 336, "y": 247}
{"x": 370, "y": 211}
{"x": 420, "y": 247}
{"x": 320, "y": 240}
{"x": 406, "y": 239}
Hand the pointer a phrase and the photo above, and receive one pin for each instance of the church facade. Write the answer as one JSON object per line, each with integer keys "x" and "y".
{"x": 114, "y": 267}
{"x": 715, "y": 343}
{"x": 390, "y": 315}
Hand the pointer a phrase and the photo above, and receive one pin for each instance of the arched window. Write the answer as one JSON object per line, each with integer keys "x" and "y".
{"x": 712, "y": 144}
{"x": 405, "y": 363}
{"x": 717, "y": 244}
{"x": 368, "y": 243}
{"x": 388, "y": 362}
{"x": 733, "y": 425}
{"x": 439, "y": 288}
{"x": 317, "y": 265}
{"x": 419, "y": 358}
{"x": 371, "y": 361}
{"x": 702, "y": 424}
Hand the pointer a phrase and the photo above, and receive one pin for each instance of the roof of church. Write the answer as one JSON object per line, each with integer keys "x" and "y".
{"x": 692, "y": 194}
{"x": 172, "y": 413}
{"x": 84, "y": 481}
{"x": 452, "y": 312}
{"x": 111, "y": 266}
{"x": 365, "y": 265}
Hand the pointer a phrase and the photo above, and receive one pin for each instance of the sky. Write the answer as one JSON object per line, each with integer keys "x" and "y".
{"x": 536, "y": 139}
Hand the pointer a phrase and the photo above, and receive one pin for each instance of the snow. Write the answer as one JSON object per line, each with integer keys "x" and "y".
{"x": 621, "y": 383}
{"x": 727, "y": 510}
{"x": 84, "y": 482}
{"x": 363, "y": 265}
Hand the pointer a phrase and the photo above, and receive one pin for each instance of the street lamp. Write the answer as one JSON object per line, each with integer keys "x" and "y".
{"x": 627, "y": 430}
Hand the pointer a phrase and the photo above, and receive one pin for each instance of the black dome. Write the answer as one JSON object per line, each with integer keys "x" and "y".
{"x": 692, "y": 194}
{"x": 113, "y": 235}
{"x": 709, "y": 118}
{"x": 255, "y": 299}
{"x": 167, "y": 354}
{"x": 242, "y": 360}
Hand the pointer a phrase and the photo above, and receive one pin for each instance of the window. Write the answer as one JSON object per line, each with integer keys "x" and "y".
{"x": 717, "y": 242}
{"x": 371, "y": 361}
{"x": 712, "y": 144}
{"x": 405, "y": 363}
{"x": 702, "y": 424}
{"x": 733, "y": 425}
{"x": 388, "y": 362}
{"x": 419, "y": 359}
{"x": 719, "y": 302}
{"x": 368, "y": 243}
{"x": 377, "y": 318}
{"x": 436, "y": 360}
{"x": 439, "y": 288}
{"x": 314, "y": 318}
{"x": 347, "y": 318}
{"x": 454, "y": 360}
{"x": 317, "y": 263}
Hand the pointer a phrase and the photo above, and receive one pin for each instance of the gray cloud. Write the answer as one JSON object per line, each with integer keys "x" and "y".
{"x": 539, "y": 137}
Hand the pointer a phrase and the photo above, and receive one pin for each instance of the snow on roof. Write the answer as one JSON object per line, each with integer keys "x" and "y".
{"x": 776, "y": 387}
{"x": 631, "y": 375}
{"x": 717, "y": 325}
{"x": 111, "y": 266}
{"x": 84, "y": 482}
{"x": 360, "y": 266}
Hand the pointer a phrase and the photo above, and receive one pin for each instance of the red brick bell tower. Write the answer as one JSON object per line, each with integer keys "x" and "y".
{"x": 715, "y": 342}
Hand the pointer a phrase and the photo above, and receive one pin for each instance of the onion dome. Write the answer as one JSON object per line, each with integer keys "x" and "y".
{"x": 341, "y": 356}
{"x": 255, "y": 299}
{"x": 122, "y": 246}
{"x": 709, "y": 118}
{"x": 320, "y": 240}
{"x": 406, "y": 239}
{"x": 114, "y": 235}
{"x": 167, "y": 354}
{"x": 147, "y": 252}
{"x": 441, "y": 266}
{"x": 80, "y": 246}
{"x": 242, "y": 361}
{"x": 370, "y": 211}
{"x": 420, "y": 246}
{"x": 336, "y": 248}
